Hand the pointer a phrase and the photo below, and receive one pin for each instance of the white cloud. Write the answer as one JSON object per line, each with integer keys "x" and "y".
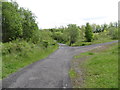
{"x": 53, "y": 13}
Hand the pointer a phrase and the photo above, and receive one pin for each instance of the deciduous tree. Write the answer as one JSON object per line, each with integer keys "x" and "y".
{"x": 88, "y": 32}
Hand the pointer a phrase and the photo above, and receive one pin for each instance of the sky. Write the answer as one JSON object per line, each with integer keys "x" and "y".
{"x": 56, "y": 13}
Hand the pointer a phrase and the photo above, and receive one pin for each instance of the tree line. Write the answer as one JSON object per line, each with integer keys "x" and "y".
{"x": 17, "y": 22}
{"x": 20, "y": 23}
{"x": 89, "y": 32}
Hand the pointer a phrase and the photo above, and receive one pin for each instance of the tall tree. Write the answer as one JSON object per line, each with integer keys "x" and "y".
{"x": 11, "y": 22}
{"x": 73, "y": 33}
{"x": 28, "y": 23}
{"x": 105, "y": 26}
{"x": 88, "y": 32}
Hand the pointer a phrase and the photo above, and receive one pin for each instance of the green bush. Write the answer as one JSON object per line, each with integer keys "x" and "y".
{"x": 16, "y": 46}
{"x": 45, "y": 43}
{"x": 95, "y": 36}
{"x": 113, "y": 32}
{"x": 19, "y": 53}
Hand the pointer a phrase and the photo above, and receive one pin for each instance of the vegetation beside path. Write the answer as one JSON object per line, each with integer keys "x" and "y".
{"x": 97, "y": 68}
{"x": 19, "y": 54}
{"x": 23, "y": 42}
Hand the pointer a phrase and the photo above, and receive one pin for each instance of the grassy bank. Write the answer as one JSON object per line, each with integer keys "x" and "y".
{"x": 98, "y": 38}
{"x": 18, "y": 54}
{"x": 84, "y": 43}
{"x": 98, "y": 68}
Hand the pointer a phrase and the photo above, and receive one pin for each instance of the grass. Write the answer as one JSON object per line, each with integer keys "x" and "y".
{"x": 101, "y": 69}
{"x": 72, "y": 73}
{"x": 101, "y": 38}
{"x": 28, "y": 54}
{"x": 84, "y": 54}
{"x": 84, "y": 43}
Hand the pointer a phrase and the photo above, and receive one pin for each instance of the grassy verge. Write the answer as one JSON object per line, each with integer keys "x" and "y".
{"x": 83, "y": 43}
{"x": 99, "y": 70}
{"x": 98, "y": 38}
{"x": 20, "y": 54}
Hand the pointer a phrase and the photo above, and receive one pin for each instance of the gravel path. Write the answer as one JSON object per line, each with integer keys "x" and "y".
{"x": 51, "y": 72}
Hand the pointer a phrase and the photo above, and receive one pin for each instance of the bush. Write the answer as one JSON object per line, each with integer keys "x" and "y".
{"x": 16, "y": 46}
{"x": 19, "y": 53}
{"x": 45, "y": 43}
{"x": 113, "y": 32}
{"x": 95, "y": 36}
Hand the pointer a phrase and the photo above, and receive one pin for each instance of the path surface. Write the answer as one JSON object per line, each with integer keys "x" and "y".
{"x": 51, "y": 72}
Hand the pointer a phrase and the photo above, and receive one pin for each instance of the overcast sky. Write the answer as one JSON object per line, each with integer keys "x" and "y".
{"x": 55, "y": 13}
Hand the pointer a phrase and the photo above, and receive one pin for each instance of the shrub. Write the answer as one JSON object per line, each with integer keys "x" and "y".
{"x": 113, "y": 32}
{"x": 16, "y": 46}
{"x": 95, "y": 36}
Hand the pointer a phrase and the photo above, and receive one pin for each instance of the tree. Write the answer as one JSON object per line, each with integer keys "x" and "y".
{"x": 82, "y": 32}
{"x": 28, "y": 23}
{"x": 11, "y": 22}
{"x": 88, "y": 32}
{"x": 17, "y": 22}
{"x": 94, "y": 28}
{"x": 116, "y": 24}
{"x": 73, "y": 33}
{"x": 111, "y": 24}
{"x": 105, "y": 26}
{"x": 98, "y": 28}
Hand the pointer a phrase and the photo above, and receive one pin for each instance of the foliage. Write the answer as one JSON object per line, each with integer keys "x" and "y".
{"x": 82, "y": 32}
{"x": 113, "y": 32}
{"x": 88, "y": 33}
{"x": 19, "y": 53}
{"x": 11, "y": 22}
{"x": 23, "y": 43}
{"x": 95, "y": 36}
{"x": 98, "y": 34}
{"x": 28, "y": 23}
{"x": 41, "y": 36}
{"x": 17, "y": 22}
{"x": 73, "y": 31}
{"x": 58, "y": 36}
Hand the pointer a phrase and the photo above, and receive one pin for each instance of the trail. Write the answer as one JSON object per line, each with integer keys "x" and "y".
{"x": 51, "y": 72}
